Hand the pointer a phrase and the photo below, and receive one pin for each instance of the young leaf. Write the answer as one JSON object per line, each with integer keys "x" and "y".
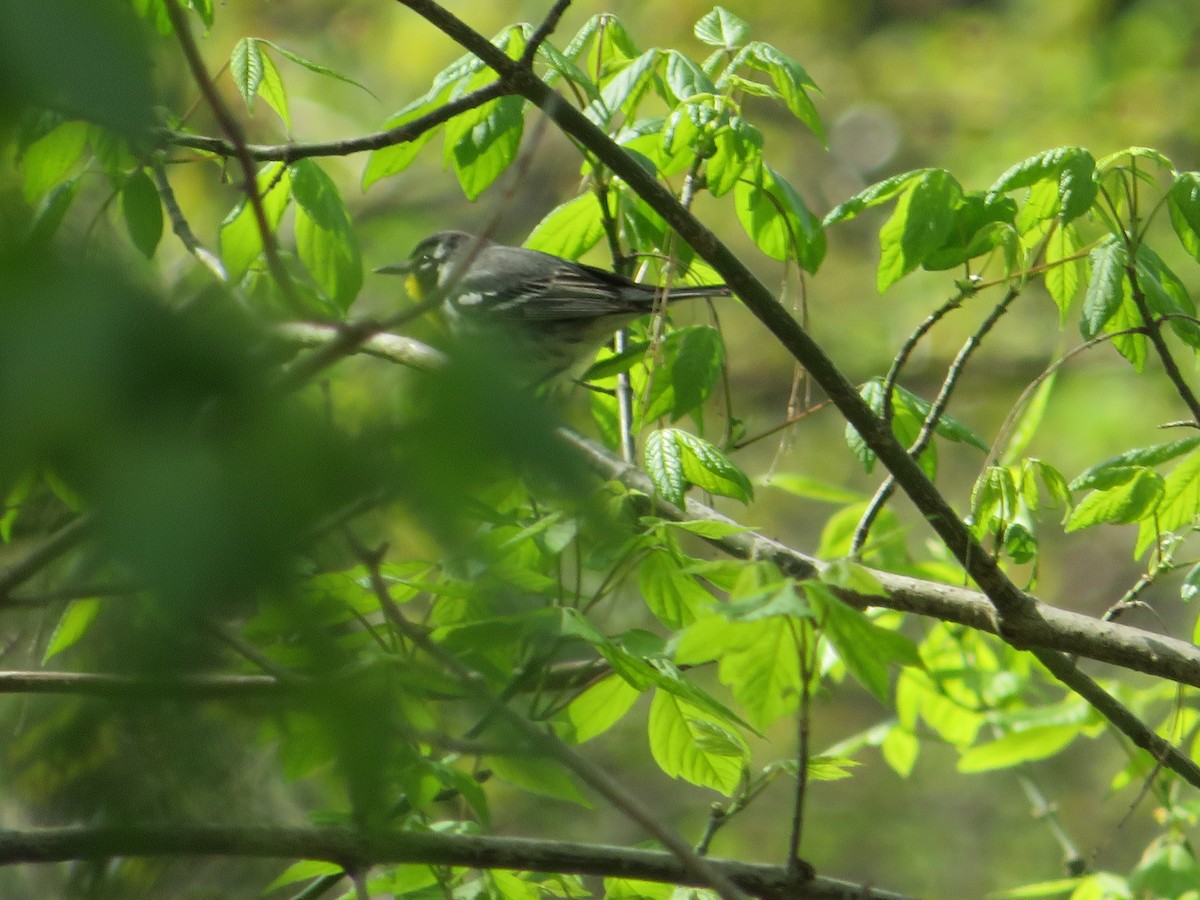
{"x": 663, "y": 459}
{"x": 1063, "y": 272}
{"x": 1123, "y": 496}
{"x": 693, "y": 357}
{"x": 1072, "y": 171}
{"x": 1104, "y": 290}
{"x": 272, "y": 91}
{"x": 600, "y": 707}
{"x": 711, "y": 470}
{"x": 791, "y": 81}
{"x": 1183, "y": 203}
{"x": 47, "y": 160}
{"x": 142, "y": 211}
{"x": 674, "y": 597}
{"x": 314, "y": 67}
{"x": 325, "y": 240}
{"x": 685, "y": 78}
{"x": 240, "y": 239}
{"x": 919, "y": 225}
{"x": 625, "y": 90}
{"x": 864, "y": 647}
{"x": 874, "y": 195}
{"x": 483, "y": 142}
{"x": 394, "y": 159}
{"x": 736, "y": 148}
{"x": 246, "y": 68}
{"x": 721, "y": 28}
{"x": 1018, "y": 747}
{"x": 778, "y": 221}
{"x": 1180, "y": 503}
{"x": 571, "y": 229}
{"x": 688, "y": 744}
{"x": 1166, "y": 295}
{"x": 72, "y": 625}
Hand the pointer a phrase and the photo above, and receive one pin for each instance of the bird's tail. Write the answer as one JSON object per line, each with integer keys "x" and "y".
{"x": 685, "y": 292}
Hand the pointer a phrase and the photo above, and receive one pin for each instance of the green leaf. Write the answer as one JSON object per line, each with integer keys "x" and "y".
{"x": 240, "y": 241}
{"x": 709, "y": 529}
{"x": 1180, "y": 503}
{"x": 1018, "y": 747}
{"x": 394, "y": 159}
{"x": 853, "y": 576}
{"x": 632, "y": 889}
{"x": 1183, "y": 204}
{"x": 47, "y": 160}
{"x": 142, "y": 211}
{"x": 625, "y": 90}
{"x": 1063, "y": 274}
{"x": 711, "y": 470}
{"x": 314, "y": 67}
{"x": 919, "y": 226}
{"x": 303, "y": 871}
{"x": 777, "y": 220}
{"x": 49, "y": 214}
{"x": 909, "y": 413}
{"x": 272, "y": 91}
{"x": 571, "y": 229}
{"x": 1166, "y": 295}
{"x": 325, "y": 240}
{"x": 736, "y": 148}
{"x": 981, "y": 224}
{"x": 246, "y": 68}
{"x": 687, "y": 743}
{"x": 538, "y": 775}
{"x": 764, "y": 672}
{"x": 791, "y": 81}
{"x": 875, "y": 195}
{"x": 72, "y": 625}
{"x": 1133, "y": 154}
{"x": 600, "y": 707}
{"x": 811, "y": 488}
{"x": 1104, "y": 290}
{"x": 693, "y": 359}
{"x": 1029, "y": 421}
{"x": 685, "y": 78}
{"x": 721, "y": 28}
{"x": 1122, "y": 496}
{"x": 559, "y": 65}
{"x": 482, "y": 143}
{"x": 864, "y": 647}
{"x": 1142, "y": 456}
{"x": 1071, "y": 170}
{"x": 663, "y": 459}
{"x": 674, "y": 597}
{"x": 900, "y": 748}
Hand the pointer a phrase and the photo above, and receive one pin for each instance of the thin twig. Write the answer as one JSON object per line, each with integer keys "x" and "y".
{"x": 179, "y": 224}
{"x": 588, "y": 772}
{"x": 1154, "y": 333}
{"x": 237, "y": 139}
{"x": 934, "y": 417}
{"x": 44, "y": 554}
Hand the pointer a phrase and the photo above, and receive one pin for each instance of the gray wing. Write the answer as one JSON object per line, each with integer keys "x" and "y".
{"x": 546, "y": 288}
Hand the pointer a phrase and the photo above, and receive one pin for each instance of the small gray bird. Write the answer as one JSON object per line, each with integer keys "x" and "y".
{"x": 557, "y": 312}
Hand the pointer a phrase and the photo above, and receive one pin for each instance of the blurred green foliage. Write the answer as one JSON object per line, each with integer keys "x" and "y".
{"x": 225, "y": 515}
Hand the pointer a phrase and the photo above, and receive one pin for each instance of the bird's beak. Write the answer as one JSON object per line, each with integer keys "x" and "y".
{"x": 399, "y": 268}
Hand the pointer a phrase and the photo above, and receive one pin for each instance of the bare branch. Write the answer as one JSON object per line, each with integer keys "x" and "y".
{"x": 237, "y": 140}
{"x": 357, "y": 850}
{"x": 401, "y": 134}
